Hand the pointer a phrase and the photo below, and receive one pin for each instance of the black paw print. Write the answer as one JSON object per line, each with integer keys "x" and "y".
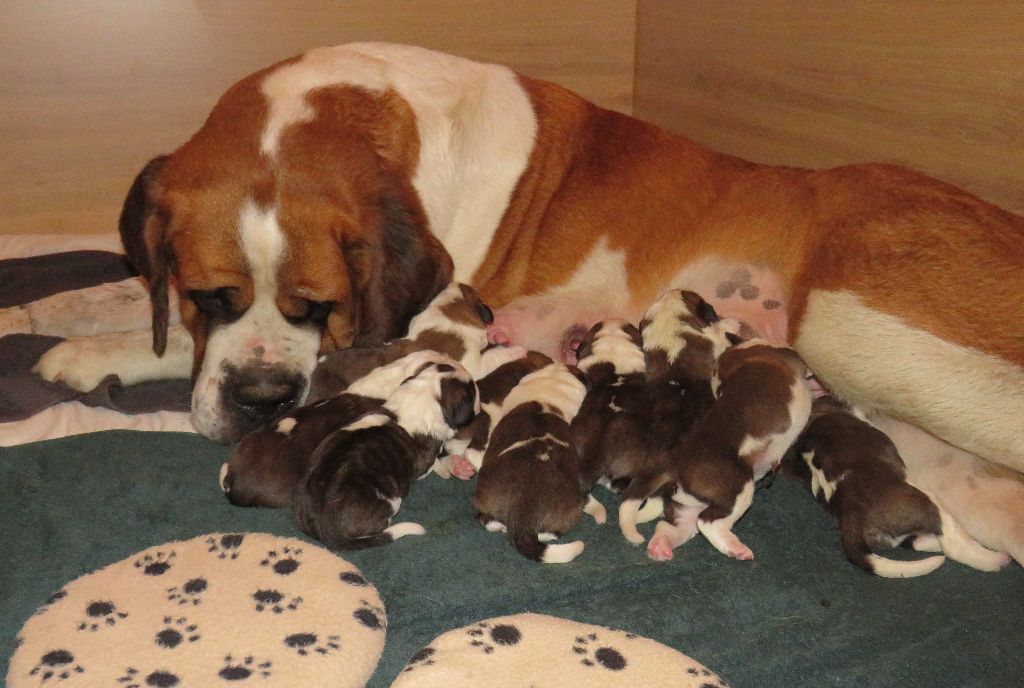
{"x": 51, "y": 600}
{"x": 424, "y": 657}
{"x": 483, "y": 634}
{"x": 191, "y": 593}
{"x": 370, "y": 616}
{"x": 284, "y": 563}
{"x": 608, "y": 657}
{"x": 353, "y": 578}
{"x": 176, "y": 630}
{"x": 739, "y": 281}
{"x": 56, "y": 665}
{"x": 100, "y": 614}
{"x": 226, "y": 546}
{"x": 161, "y": 678}
{"x": 274, "y": 600}
{"x": 155, "y": 564}
{"x": 308, "y": 643}
{"x": 712, "y": 682}
{"x": 240, "y": 670}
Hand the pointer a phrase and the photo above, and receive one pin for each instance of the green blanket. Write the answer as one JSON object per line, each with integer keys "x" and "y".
{"x": 799, "y": 615}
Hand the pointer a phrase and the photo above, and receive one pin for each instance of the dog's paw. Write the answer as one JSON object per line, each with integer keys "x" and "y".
{"x": 461, "y": 468}
{"x": 80, "y": 363}
{"x": 15, "y": 320}
{"x": 659, "y": 548}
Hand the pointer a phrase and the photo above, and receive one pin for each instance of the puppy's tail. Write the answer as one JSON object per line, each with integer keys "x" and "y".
{"x": 959, "y": 546}
{"x": 643, "y": 487}
{"x": 855, "y": 546}
{"x": 385, "y": 537}
{"x": 533, "y": 546}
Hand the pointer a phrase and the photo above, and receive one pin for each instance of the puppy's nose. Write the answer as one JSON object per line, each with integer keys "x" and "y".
{"x": 264, "y": 394}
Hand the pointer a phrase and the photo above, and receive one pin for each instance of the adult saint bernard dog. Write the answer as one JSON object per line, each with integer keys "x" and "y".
{"x": 327, "y": 198}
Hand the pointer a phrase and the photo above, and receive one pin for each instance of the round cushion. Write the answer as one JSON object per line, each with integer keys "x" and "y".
{"x": 533, "y": 649}
{"x": 219, "y": 607}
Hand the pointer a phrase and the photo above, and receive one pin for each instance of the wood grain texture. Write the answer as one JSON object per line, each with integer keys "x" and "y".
{"x": 92, "y": 90}
{"x": 937, "y": 86}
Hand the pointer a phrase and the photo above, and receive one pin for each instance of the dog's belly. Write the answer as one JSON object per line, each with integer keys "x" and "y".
{"x": 554, "y": 321}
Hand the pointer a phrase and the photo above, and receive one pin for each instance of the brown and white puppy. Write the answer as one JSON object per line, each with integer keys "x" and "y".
{"x": 612, "y": 430}
{"x": 529, "y": 483}
{"x": 268, "y": 463}
{"x": 454, "y": 323}
{"x": 762, "y": 403}
{"x": 855, "y": 471}
{"x": 468, "y": 446}
{"x": 360, "y": 474}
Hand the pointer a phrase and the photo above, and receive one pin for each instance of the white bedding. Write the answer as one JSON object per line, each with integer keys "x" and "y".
{"x": 72, "y": 417}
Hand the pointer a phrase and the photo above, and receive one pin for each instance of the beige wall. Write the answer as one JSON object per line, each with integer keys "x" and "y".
{"x": 935, "y": 85}
{"x": 92, "y": 89}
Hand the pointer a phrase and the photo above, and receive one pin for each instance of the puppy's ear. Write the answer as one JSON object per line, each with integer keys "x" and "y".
{"x": 458, "y": 402}
{"x": 398, "y": 271}
{"x": 734, "y": 339}
{"x": 143, "y": 229}
{"x": 707, "y": 313}
{"x": 634, "y": 334}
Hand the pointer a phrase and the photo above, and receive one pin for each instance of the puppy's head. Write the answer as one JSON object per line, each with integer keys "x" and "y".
{"x": 283, "y": 244}
{"x": 261, "y": 472}
{"x": 675, "y": 314}
{"x": 615, "y": 342}
{"x": 759, "y": 351}
{"x": 436, "y": 400}
{"x": 455, "y": 323}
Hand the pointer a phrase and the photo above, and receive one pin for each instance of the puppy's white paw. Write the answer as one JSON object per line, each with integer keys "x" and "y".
{"x": 596, "y": 510}
{"x": 15, "y": 320}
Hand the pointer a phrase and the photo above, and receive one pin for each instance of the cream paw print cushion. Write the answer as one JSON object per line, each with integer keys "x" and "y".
{"x": 218, "y": 610}
{"x": 537, "y": 650}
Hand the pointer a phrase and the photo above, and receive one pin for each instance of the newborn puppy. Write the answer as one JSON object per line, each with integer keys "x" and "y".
{"x": 453, "y": 323}
{"x": 529, "y": 483}
{"x": 762, "y": 404}
{"x": 468, "y": 446}
{"x": 612, "y": 430}
{"x": 360, "y": 474}
{"x": 268, "y": 463}
{"x": 855, "y": 471}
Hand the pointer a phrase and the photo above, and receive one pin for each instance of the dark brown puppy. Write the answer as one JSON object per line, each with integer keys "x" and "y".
{"x": 762, "y": 404}
{"x": 857, "y": 474}
{"x": 612, "y": 430}
{"x": 360, "y": 474}
{"x": 529, "y": 482}
{"x": 453, "y": 323}
{"x": 268, "y": 463}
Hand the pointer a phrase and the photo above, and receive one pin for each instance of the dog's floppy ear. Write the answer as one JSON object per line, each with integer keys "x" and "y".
{"x": 143, "y": 231}
{"x": 398, "y": 270}
{"x": 458, "y": 402}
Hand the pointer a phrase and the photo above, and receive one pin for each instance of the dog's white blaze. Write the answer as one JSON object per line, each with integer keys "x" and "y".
{"x": 286, "y": 425}
{"x": 665, "y": 329}
{"x": 613, "y": 345}
{"x": 968, "y": 398}
{"x": 466, "y": 172}
{"x": 262, "y": 335}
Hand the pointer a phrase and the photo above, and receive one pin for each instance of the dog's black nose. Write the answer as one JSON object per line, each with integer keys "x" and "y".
{"x": 263, "y": 393}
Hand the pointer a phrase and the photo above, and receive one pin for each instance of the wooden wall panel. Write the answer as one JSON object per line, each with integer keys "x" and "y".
{"x": 91, "y": 89}
{"x": 938, "y": 86}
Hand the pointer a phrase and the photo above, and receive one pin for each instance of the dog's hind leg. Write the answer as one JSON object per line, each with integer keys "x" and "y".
{"x": 716, "y": 522}
{"x": 667, "y": 536}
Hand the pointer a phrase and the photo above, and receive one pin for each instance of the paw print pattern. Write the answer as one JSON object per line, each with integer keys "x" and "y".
{"x": 241, "y": 670}
{"x": 100, "y": 614}
{"x": 424, "y": 657}
{"x": 353, "y": 578}
{"x": 51, "y": 600}
{"x": 226, "y": 546}
{"x": 156, "y": 564}
{"x": 191, "y": 593}
{"x": 607, "y": 657}
{"x": 160, "y": 678}
{"x": 486, "y": 637}
{"x": 56, "y": 665}
{"x": 176, "y": 630}
{"x": 739, "y": 281}
{"x": 275, "y": 601}
{"x": 712, "y": 680}
{"x": 284, "y": 563}
{"x": 305, "y": 644}
{"x": 370, "y": 616}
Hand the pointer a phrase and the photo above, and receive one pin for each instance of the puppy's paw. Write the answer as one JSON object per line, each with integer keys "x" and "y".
{"x": 740, "y": 551}
{"x": 461, "y": 468}
{"x": 79, "y": 363}
{"x": 15, "y": 320}
{"x": 659, "y": 548}
{"x": 596, "y": 510}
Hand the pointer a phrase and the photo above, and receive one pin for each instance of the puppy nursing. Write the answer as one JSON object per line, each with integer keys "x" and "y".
{"x": 360, "y": 474}
{"x": 761, "y": 404}
{"x": 855, "y": 471}
{"x": 529, "y": 481}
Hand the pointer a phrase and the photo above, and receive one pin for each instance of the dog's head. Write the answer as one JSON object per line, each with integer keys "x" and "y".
{"x": 436, "y": 400}
{"x": 615, "y": 342}
{"x": 287, "y": 234}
